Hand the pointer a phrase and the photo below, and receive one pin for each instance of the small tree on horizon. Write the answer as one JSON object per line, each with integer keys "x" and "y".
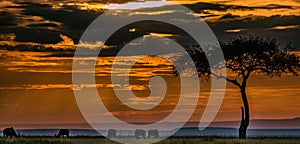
{"x": 245, "y": 56}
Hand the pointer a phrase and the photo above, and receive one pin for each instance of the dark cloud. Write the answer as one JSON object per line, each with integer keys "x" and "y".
{"x": 200, "y": 6}
{"x": 35, "y": 48}
{"x": 44, "y": 25}
{"x": 229, "y": 16}
{"x": 207, "y": 6}
{"x": 71, "y": 21}
{"x": 43, "y": 36}
{"x": 252, "y": 22}
{"x": 7, "y": 19}
{"x": 260, "y": 26}
{"x": 275, "y": 6}
{"x": 70, "y": 16}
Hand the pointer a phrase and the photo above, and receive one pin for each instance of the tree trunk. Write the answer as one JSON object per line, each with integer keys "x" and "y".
{"x": 245, "y": 115}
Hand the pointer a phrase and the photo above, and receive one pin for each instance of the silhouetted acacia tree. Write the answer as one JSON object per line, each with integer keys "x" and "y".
{"x": 245, "y": 56}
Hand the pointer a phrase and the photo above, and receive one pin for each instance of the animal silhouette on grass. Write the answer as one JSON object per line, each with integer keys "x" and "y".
{"x": 62, "y": 133}
{"x": 10, "y": 132}
{"x": 139, "y": 133}
{"x": 153, "y": 133}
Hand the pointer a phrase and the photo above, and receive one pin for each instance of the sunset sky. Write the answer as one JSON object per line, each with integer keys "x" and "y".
{"x": 38, "y": 39}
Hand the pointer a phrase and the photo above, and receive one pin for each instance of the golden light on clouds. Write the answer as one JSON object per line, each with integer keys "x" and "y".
{"x": 233, "y": 31}
{"x": 8, "y": 37}
{"x": 66, "y": 42}
{"x": 160, "y": 35}
{"x": 152, "y": 12}
{"x": 132, "y": 30}
{"x": 9, "y": 40}
{"x": 81, "y": 5}
{"x": 285, "y": 27}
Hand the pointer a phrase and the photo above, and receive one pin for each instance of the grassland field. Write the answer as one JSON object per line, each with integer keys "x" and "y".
{"x": 202, "y": 140}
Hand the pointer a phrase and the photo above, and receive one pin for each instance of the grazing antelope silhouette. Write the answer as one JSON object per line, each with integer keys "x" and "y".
{"x": 153, "y": 133}
{"x": 10, "y": 132}
{"x": 62, "y": 133}
{"x": 139, "y": 133}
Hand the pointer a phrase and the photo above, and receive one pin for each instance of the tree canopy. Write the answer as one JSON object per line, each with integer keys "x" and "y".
{"x": 247, "y": 55}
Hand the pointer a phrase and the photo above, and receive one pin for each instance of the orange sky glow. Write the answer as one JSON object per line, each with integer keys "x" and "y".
{"x": 38, "y": 90}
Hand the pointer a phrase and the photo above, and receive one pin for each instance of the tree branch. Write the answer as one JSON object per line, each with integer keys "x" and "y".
{"x": 233, "y": 81}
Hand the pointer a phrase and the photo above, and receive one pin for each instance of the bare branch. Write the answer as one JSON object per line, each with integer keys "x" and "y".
{"x": 233, "y": 81}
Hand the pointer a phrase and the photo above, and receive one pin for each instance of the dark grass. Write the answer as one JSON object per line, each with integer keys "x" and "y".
{"x": 172, "y": 140}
